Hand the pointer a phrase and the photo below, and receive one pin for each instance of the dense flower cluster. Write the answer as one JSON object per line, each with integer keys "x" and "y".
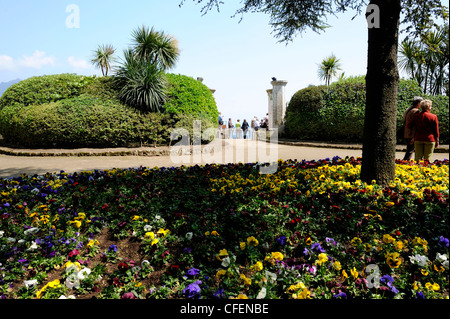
{"x": 310, "y": 230}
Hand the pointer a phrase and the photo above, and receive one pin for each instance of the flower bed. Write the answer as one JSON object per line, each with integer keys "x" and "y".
{"x": 311, "y": 230}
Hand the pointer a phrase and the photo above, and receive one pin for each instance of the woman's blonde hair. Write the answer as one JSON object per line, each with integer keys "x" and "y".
{"x": 425, "y": 105}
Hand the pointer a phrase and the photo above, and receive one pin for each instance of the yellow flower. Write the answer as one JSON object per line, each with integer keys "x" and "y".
{"x": 304, "y": 294}
{"x": 415, "y": 286}
{"x": 252, "y": 241}
{"x": 387, "y": 239}
{"x": 424, "y": 272}
{"x": 242, "y": 245}
{"x": 356, "y": 241}
{"x": 337, "y": 265}
{"x": 435, "y": 286}
{"x": 354, "y": 273}
{"x": 399, "y": 245}
{"x": 154, "y": 241}
{"x": 220, "y": 273}
{"x": 162, "y": 232}
{"x": 214, "y": 233}
{"x": 135, "y": 217}
{"x": 278, "y": 256}
{"x": 322, "y": 259}
{"x": 222, "y": 253}
{"x": 92, "y": 243}
{"x": 393, "y": 260}
{"x": 390, "y": 204}
{"x": 308, "y": 241}
{"x": 69, "y": 264}
{"x": 207, "y": 233}
{"x": 247, "y": 281}
{"x": 258, "y": 266}
{"x": 440, "y": 269}
{"x": 149, "y": 235}
{"x": 242, "y": 296}
{"x": 344, "y": 275}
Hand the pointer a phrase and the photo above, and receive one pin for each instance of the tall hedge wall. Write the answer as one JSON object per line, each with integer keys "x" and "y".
{"x": 336, "y": 113}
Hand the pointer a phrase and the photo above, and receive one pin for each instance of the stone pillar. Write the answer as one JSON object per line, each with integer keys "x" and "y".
{"x": 277, "y": 104}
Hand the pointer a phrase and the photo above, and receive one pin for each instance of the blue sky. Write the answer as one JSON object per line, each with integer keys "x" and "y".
{"x": 236, "y": 59}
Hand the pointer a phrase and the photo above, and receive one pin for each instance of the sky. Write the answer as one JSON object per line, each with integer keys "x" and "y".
{"x": 237, "y": 58}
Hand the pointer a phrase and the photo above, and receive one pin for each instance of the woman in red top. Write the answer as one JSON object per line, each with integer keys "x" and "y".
{"x": 426, "y": 127}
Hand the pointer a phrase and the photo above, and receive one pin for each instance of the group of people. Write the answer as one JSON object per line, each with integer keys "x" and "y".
{"x": 421, "y": 130}
{"x": 242, "y": 130}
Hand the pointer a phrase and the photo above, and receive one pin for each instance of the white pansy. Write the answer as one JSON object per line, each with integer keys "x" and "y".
{"x": 1, "y": 233}
{"x": 441, "y": 257}
{"x": 10, "y": 240}
{"x": 32, "y": 230}
{"x": 226, "y": 262}
{"x": 262, "y": 293}
{"x": 33, "y": 246}
{"x": 83, "y": 273}
{"x": 189, "y": 235}
{"x": 148, "y": 228}
{"x": 418, "y": 259}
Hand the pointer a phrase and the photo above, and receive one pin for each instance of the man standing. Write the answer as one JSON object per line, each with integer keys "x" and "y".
{"x": 409, "y": 133}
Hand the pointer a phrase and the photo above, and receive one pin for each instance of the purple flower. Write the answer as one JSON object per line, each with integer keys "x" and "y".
{"x": 386, "y": 279}
{"x": 342, "y": 295}
{"x": 193, "y": 290}
{"x": 112, "y": 248}
{"x": 443, "y": 241}
{"x": 282, "y": 240}
{"x": 220, "y": 293}
{"x": 419, "y": 295}
{"x": 331, "y": 241}
{"x": 317, "y": 247}
{"x": 193, "y": 272}
{"x": 305, "y": 251}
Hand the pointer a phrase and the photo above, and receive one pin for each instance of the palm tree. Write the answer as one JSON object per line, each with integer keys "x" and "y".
{"x": 103, "y": 57}
{"x": 328, "y": 68}
{"x": 427, "y": 60}
{"x": 155, "y": 47}
{"x": 141, "y": 84}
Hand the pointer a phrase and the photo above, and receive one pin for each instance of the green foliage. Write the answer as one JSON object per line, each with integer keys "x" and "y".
{"x": 93, "y": 116}
{"x": 189, "y": 96}
{"x": 45, "y": 89}
{"x": 140, "y": 83}
{"x": 337, "y": 113}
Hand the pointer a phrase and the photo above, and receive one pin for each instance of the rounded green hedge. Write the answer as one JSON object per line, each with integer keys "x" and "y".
{"x": 189, "y": 96}
{"x": 337, "y": 113}
{"x": 45, "y": 89}
{"x": 74, "y": 111}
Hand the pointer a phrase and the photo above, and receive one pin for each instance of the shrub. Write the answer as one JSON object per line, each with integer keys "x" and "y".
{"x": 45, "y": 89}
{"x": 88, "y": 121}
{"x": 337, "y": 114}
{"x": 189, "y": 96}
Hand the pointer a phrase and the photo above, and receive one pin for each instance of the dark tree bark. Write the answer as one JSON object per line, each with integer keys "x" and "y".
{"x": 378, "y": 155}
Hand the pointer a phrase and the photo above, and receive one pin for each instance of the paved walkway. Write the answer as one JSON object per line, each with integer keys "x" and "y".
{"x": 220, "y": 151}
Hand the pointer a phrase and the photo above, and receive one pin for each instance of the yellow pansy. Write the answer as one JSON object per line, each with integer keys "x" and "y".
{"x": 214, "y": 233}
{"x": 252, "y": 241}
{"x": 149, "y": 235}
{"x": 242, "y": 245}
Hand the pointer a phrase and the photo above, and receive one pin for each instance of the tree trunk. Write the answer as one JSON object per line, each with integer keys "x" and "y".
{"x": 378, "y": 154}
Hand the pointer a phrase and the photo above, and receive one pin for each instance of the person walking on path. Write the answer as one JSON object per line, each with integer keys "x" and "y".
{"x": 408, "y": 134}
{"x": 245, "y": 128}
{"x": 426, "y": 136}
{"x": 238, "y": 129}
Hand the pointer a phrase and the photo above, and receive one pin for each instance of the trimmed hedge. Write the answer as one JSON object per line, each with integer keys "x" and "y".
{"x": 189, "y": 96}
{"x": 75, "y": 111}
{"x": 87, "y": 121}
{"x": 337, "y": 113}
{"x": 45, "y": 89}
